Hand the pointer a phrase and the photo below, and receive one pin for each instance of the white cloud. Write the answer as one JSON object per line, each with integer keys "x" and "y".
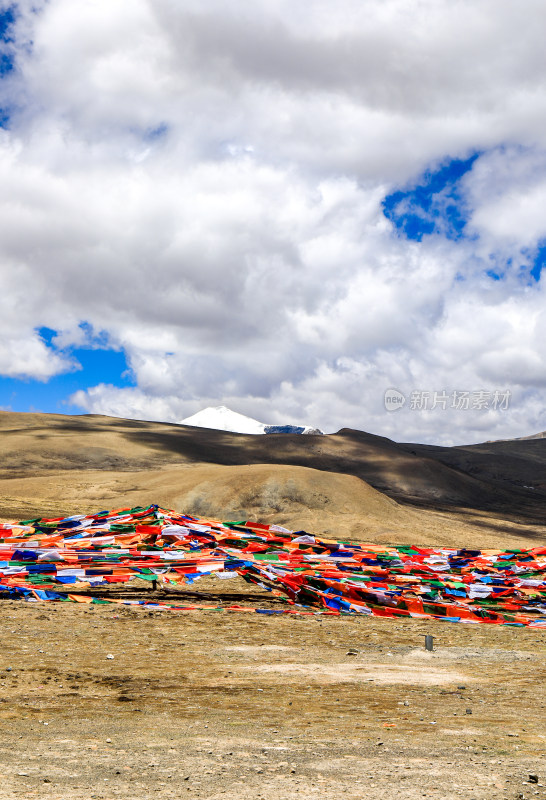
{"x": 26, "y": 356}
{"x": 507, "y": 189}
{"x": 203, "y": 184}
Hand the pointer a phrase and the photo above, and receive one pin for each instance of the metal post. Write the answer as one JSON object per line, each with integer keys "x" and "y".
{"x": 429, "y": 642}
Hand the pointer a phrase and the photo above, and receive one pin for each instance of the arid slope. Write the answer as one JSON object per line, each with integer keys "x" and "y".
{"x": 349, "y": 484}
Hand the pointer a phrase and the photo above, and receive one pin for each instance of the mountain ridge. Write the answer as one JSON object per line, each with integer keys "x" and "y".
{"x": 488, "y": 478}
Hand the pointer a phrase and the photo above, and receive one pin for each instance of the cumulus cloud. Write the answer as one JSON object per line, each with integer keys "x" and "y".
{"x": 204, "y": 185}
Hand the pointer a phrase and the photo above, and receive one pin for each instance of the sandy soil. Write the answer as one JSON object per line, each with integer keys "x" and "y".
{"x": 219, "y": 704}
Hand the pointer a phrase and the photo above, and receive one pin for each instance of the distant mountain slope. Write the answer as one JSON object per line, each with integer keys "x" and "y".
{"x": 517, "y": 465}
{"x": 541, "y": 435}
{"x": 106, "y": 461}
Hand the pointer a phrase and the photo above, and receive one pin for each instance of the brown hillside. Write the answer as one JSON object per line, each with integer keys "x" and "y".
{"x": 349, "y": 484}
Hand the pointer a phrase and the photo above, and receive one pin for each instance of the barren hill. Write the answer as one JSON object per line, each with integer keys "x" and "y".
{"x": 350, "y": 484}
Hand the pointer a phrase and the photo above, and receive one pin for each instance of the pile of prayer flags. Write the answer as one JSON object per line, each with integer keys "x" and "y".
{"x": 47, "y": 559}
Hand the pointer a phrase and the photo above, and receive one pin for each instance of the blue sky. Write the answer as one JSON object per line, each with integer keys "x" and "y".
{"x": 92, "y": 366}
{"x": 7, "y": 18}
{"x": 433, "y": 204}
{"x": 6, "y": 61}
{"x": 280, "y": 212}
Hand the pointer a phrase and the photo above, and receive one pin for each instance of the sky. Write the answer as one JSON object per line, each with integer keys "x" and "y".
{"x": 294, "y": 209}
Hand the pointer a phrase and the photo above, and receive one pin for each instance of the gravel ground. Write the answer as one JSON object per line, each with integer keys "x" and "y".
{"x": 219, "y": 704}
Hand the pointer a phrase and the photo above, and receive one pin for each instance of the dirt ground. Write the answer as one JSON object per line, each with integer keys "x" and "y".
{"x": 220, "y": 704}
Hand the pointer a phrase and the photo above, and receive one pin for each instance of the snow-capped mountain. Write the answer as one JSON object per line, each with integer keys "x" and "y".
{"x": 221, "y": 418}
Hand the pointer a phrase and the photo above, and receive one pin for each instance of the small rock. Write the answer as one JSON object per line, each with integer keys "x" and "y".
{"x": 108, "y": 741}
{"x": 352, "y": 652}
{"x": 533, "y": 778}
{"x": 469, "y": 711}
{"x": 110, "y": 656}
{"x": 378, "y": 744}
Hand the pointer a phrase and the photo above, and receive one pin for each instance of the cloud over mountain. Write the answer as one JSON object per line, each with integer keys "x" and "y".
{"x": 206, "y": 189}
